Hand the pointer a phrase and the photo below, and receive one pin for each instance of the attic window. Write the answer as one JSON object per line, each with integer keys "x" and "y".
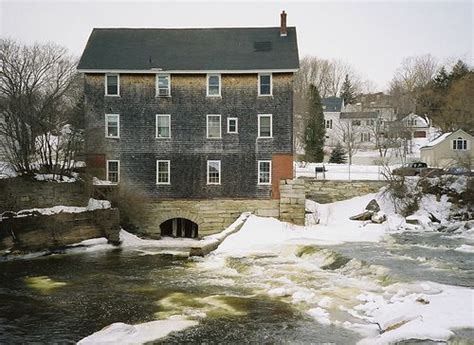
{"x": 262, "y": 46}
{"x": 112, "y": 85}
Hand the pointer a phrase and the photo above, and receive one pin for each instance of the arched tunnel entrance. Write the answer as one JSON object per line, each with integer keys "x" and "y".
{"x": 179, "y": 227}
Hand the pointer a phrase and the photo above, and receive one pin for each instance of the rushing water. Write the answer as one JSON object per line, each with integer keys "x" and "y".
{"x": 63, "y": 298}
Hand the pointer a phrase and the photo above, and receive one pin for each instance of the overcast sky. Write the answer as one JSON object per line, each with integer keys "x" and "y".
{"x": 373, "y": 36}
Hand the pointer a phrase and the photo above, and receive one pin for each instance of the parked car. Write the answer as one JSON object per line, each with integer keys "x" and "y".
{"x": 412, "y": 169}
{"x": 458, "y": 171}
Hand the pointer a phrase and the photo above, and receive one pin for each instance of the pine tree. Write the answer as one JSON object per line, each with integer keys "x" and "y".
{"x": 441, "y": 80}
{"x": 315, "y": 131}
{"x": 347, "y": 91}
{"x": 460, "y": 69}
{"x": 338, "y": 154}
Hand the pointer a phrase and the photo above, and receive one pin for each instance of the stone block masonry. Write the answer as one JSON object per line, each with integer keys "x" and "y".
{"x": 331, "y": 191}
{"x": 292, "y": 201}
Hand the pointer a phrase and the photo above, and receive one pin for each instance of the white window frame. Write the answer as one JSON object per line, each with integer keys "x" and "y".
{"x": 207, "y": 126}
{"x": 107, "y": 126}
{"x": 207, "y": 84}
{"x": 157, "y": 87}
{"x": 456, "y": 141}
{"x": 220, "y": 172}
{"x": 118, "y": 170}
{"x": 157, "y": 172}
{"x": 271, "y": 85}
{"x": 236, "y": 125}
{"x": 271, "y": 126}
{"x": 118, "y": 84}
{"x": 156, "y": 126}
{"x": 270, "y": 173}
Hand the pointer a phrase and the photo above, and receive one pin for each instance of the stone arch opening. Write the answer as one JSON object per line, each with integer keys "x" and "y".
{"x": 179, "y": 227}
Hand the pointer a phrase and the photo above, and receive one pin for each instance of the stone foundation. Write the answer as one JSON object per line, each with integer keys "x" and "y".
{"x": 41, "y": 232}
{"x": 325, "y": 192}
{"x": 292, "y": 201}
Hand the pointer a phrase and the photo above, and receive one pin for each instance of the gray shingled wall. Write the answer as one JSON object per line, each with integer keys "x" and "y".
{"x": 189, "y": 149}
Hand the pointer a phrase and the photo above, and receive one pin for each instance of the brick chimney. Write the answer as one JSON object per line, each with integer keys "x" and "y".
{"x": 283, "y": 30}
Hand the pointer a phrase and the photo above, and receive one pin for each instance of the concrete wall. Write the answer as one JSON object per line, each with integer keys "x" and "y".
{"x": 188, "y": 149}
{"x": 330, "y": 191}
{"x": 23, "y": 193}
{"x": 41, "y": 232}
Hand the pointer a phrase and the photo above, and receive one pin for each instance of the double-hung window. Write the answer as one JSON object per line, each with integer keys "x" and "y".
{"x": 213, "y": 127}
{"x": 232, "y": 125}
{"x": 460, "y": 144}
{"x": 163, "y": 85}
{"x": 113, "y": 171}
{"x": 162, "y": 172}
{"x": 163, "y": 126}
{"x": 265, "y": 84}
{"x": 112, "y": 126}
{"x": 265, "y": 126}
{"x": 112, "y": 84}
{"x": 264, "y": 172}
{"x": 329, "y": 124}
{"x": 213, "y": 85}
{"x": 213, "y": 172}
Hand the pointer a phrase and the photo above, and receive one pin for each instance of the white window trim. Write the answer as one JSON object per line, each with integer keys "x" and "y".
{"x": 271, "y": 126}
{"x": 456, "y": 141}
{"x": 157, "y": 89}
{"x": 270, "y": 172}
{"x": 236, "y": 125}
{"x": 207, "y": 84}
{"x": 118, "y": 84}
{"x": 214, "y": 183}
{"x": 107, "y": 126}
{"x": 156, "y": 126}
{"x": 271, "y": 85}
{"x": 169, "y": 172}
{"x": 220, "y": 126}
{"x": 118, "y": 170}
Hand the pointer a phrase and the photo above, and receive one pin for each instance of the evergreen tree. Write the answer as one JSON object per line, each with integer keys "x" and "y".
{"x": 347, "y": 91}
{"x": 460, "y": 69}
{"x": 441, "y": 80}
{"x": 315, "y": 131}
{"x": 338, "y": 154}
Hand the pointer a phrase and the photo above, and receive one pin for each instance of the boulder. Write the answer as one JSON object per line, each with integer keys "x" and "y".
{"x": 378, "y": 218}
{"x": 367, "y": 215}
{"x": 373, "y": 206}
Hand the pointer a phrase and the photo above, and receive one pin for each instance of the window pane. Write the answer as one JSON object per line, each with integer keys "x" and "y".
{"x": 213, "y": 82}
{"x": 214, "y": 126}
{"x": 214, "y": 172}
{"x": 264, "y": 176}
{"x": 163, "y": 81}
{"x": 112, "y": 85}
{"x": 265, "y": 126}
{"x": 232, "y": 126}
{"x": 112, "y": 126}
{"x": 113, "y": 172}
{"x": 163, "y": 126}
{"x": 163, "y": 176}
{"x": 265, "y": 88}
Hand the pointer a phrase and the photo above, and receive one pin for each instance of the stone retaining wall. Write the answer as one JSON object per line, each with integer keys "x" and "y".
{"x": 292, "y": 201}
{"x": 330, "y": 191}
{"x": 211, "y": 216}
{"x": 21, "y": 193}
{"x": 41, "y": 232}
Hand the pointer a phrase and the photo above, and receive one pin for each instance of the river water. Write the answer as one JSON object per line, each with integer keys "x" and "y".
{"x": 64, "y": 298}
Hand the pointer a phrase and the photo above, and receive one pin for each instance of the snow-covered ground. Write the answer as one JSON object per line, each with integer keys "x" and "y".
{"x": 340, "y": 171}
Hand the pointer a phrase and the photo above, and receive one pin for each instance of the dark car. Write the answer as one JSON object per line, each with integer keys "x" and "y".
{"x": 413, "y": 169}
{"x": 458, "y": 171}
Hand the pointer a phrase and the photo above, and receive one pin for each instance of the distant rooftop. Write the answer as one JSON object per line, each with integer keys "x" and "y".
{"x": 333, "y": 104}
{"x": 360, "y": 115}
{"x": 216, "y": 49}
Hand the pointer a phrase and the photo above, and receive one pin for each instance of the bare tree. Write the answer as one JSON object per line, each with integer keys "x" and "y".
{"x": 36, "y": 92}
{"x": 348, "y": 132}
{"x": 413, "y": 74}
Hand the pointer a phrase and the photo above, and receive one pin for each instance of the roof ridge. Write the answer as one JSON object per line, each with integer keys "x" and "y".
{"x": 194, "y": 28}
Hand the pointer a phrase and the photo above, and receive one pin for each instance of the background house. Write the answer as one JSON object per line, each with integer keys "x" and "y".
{"x": 449, "y": 149}
{"x": 332, "y": 107}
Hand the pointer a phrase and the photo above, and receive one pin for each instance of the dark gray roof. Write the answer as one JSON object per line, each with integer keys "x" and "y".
{"x": 360, "y": 115}
{"x": 190, "y": 49}
{"x": 332, "y": 103}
